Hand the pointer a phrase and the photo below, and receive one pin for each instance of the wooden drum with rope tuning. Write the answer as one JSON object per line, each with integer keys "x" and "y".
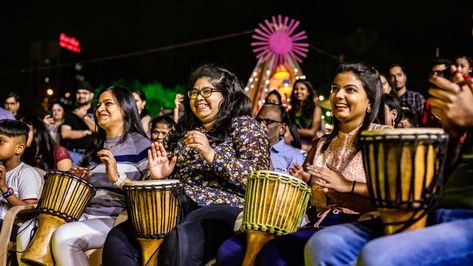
{"x": 275, "y": 204}
{"x": 404, "y": 170}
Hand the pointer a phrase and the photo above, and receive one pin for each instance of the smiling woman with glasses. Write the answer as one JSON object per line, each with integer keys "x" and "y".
{"x": 205, "y": 92}
{"x": 213, "y": 149}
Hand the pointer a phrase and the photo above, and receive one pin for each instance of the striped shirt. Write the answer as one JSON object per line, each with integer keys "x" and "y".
{"x": 132, "y": 161}
{"x": 283, "y": 156}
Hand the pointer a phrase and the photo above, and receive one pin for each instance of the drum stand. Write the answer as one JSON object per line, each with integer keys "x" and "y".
{"x": 38, "y": 252}
{"x": 149, "y": 250}
{"x": 255, "y": 242}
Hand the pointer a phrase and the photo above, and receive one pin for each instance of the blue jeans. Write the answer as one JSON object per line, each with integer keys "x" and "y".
{"x": 281, "y": 251}
{"x": 75, "y": 157}
{"x": 448, "y": 242}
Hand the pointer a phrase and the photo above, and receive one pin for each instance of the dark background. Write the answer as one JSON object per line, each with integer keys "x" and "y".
{"x": 380, "y": 32}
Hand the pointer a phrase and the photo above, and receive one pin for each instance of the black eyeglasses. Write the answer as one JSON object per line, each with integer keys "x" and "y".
{"x": 267, "y": 122}
{"x": 439, "y": 73}
{"x": 205, "y": 92}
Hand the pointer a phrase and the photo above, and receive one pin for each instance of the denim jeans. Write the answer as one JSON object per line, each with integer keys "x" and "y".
{"x": 75, "y": 157}
{"x": 283, "y": 250}
{"x": 448, "y": 242}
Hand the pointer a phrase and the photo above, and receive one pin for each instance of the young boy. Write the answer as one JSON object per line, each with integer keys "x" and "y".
{"x": 20, "y": 184}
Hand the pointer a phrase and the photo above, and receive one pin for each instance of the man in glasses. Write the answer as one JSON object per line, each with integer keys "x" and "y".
{"x": 274, "y": 119}
{"x": 440, "y": 68}
{"x": 79, "y": 124}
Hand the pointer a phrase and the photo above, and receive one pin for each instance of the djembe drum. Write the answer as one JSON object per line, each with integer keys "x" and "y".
{"x": 404, "y": 169}
{"x": 274, "y": 205}
{"x": 63, "y": 199}
{"x": 153, "y": 207}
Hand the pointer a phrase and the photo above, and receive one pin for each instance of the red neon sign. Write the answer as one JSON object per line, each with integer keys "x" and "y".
{"x": 69, "y": 43}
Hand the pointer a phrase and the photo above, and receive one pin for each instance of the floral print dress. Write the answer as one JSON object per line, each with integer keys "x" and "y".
{"x": 244, "y": 151}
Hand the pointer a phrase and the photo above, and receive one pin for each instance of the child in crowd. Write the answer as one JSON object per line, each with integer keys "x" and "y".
{"x": 160, "y": 127}
{"x": 20, "y": 184}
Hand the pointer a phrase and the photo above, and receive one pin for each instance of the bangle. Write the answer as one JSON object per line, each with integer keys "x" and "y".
{"x": 120, "y": 181}
{"x": 8, "y": 193}
{"x": 353, "y": 187}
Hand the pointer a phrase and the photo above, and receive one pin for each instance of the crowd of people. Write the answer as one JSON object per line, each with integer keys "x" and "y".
{"x": 211, "y": 144}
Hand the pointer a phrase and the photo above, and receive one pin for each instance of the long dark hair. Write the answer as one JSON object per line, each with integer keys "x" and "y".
{"x": 369, "y": 77}
{"x": 126, "y": 102}
{"x": 142, "y": 96}
{"x": 296, "y": 139}
{"x": 41, "y": 152}
{"x": 308, "y": 104}
{"x": 235, "y": 103}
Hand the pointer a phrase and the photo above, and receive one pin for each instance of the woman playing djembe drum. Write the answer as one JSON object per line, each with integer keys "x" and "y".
{"x": 215, "y": 147}
{"x": 118, "y": 155}
{"x": 334, "y": 167}
{"x": 448, "y": 238}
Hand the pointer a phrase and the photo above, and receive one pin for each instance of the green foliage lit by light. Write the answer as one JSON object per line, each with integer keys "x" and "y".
{"x": 157, "y": 97}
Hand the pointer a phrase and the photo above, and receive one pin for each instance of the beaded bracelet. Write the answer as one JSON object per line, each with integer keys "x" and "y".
{"x": 8, "y": 193}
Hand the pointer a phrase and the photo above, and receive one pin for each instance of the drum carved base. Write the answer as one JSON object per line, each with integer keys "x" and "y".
{"x": 39, "y": 252}
{"x": 150, "y": 251}
{"x": 255, "y": 242}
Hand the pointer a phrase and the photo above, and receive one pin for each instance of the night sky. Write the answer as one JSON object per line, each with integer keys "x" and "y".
{"x": 380, "y": 32}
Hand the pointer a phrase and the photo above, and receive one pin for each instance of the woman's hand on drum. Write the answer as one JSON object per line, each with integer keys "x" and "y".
{"x": 297, "y": 171}
{"x": 198, "y": 140}
{"x": 82, "y": 172}
{"x": 158, "y": 163}
{"x": 107, "y": 158}
{"x": 330, "y": 178}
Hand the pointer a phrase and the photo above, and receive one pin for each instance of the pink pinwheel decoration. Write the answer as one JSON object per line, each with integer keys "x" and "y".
{"x": 277, "y": 39}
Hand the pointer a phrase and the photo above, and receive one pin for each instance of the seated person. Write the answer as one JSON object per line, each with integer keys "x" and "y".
{"x": 117, "y": 155}
{"x": 160, "y": 127}
{"x": 392, "y": 111}
{"x": 20, "y": 184}
{"x": 212, "y": 151}
{"x": 273, "y": 118}
{"x": 41, "y": 150}
{"x": 337, "y": 177}
{"x": 449, "y": 240}
{"x": 408, "y": 119}
{"x": 273, "y": 97}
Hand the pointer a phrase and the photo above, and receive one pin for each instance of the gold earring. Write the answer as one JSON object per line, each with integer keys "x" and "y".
{"x": 394, "y": 122}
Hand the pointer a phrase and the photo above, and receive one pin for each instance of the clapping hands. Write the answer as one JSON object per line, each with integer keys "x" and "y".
{"x": 159, "y": 165}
